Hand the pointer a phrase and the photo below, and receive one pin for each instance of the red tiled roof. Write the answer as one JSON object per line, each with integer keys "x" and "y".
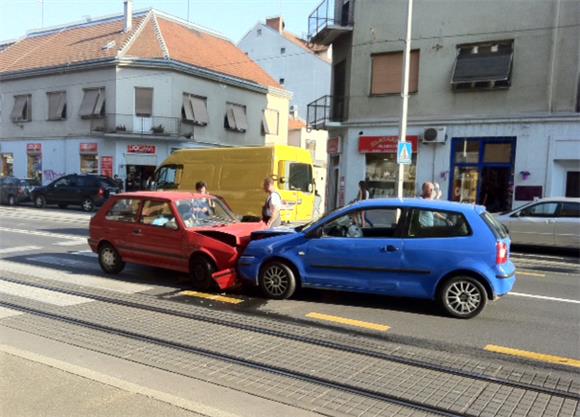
{"x": 296, "y": 124}
{"x": 159, "y": 38}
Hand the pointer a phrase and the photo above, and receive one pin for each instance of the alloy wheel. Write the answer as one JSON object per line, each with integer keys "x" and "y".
{"x": 276, "y": 280}
{"x": 463, "y": 297}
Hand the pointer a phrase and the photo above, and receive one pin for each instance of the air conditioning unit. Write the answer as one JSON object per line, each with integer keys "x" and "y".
{"x": 435, "y": 135}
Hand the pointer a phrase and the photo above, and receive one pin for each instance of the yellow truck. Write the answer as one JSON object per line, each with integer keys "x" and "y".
{"x": 237, "y": 175}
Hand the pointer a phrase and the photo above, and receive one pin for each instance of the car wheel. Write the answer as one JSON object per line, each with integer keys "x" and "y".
{"x": 62, "y": 206}
{"x": 88, "y": 205}
{"x": 39, "y": 201}
{"x": 11, "y": 200}
{"x": 202, "y": 270}
{"x": 463, "y": 297}
{"x": 277, "y": 280}
{"x": 110, "y": 260}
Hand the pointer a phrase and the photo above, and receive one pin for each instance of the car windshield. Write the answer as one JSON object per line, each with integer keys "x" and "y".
{"x": 167, "y": 177}
{"x": 200, "y": 212}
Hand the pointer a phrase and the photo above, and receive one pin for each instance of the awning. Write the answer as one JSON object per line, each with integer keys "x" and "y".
{"x": 473, "y": 68}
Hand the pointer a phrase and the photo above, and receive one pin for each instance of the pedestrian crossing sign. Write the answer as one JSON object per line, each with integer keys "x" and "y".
{"x": 404, "y": 153}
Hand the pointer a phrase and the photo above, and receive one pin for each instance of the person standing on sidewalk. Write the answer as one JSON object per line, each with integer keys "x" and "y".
{"x": 272, "y": 206}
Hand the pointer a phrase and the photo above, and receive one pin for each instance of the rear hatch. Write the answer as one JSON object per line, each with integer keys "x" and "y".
{"x": 502, "y": 237}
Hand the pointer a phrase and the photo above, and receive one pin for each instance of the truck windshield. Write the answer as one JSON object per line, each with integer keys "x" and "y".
{"x": 300, "y": 177}
{"x": 167, "y": 177}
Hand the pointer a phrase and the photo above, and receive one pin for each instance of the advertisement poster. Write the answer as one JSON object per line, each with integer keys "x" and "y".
{"x": 107, "y": 166}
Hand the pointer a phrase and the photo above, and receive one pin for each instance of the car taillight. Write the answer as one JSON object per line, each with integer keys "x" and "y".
{"x": 101, "y": 192}
{"x": 501, "y": 253}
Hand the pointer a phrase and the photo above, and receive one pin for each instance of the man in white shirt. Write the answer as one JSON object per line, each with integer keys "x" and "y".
{"x": 272, "y": 206}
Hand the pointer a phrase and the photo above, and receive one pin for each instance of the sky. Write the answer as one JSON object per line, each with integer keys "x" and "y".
{"x": 232, "y": 18}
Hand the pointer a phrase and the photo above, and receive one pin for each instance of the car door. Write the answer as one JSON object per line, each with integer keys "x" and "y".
{"x": 567, "y": 225}
{"x": 534, "y": 224}
{"x": 158, "y": 236}
{"x": 59, "y": 191}
{"x": 434, "y": 241}
{"x": 359, "y": 250}
{"x": 119, "y": 225}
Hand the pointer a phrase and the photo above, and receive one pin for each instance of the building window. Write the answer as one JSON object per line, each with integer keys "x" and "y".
{"x": 483, "y": 66}
{"x": 34, "y": 161}
{"x": 143, "y": 102}
{"x": 22, "y": 110}
{"x": 282, "y": 50}
{"x": 259, "y": 32}
{"x": 235, "y": 118}
{"x": 93, "y": 104}
{"x": 89, "y": 158}
{"x": 194, "y": 109}
{"x": 270, "y": 121}
{"x": 311, "y": 147}
{"x": 56, "y": 105}
{"x": 282, "y": 81}
{"x": 7, "y": 160}
{"x": 387, "y": 73}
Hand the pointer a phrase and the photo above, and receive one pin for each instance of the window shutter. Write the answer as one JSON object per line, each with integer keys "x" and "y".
{"x": 187, "y": 107}
{"x": 100, "y": 102}
{"x": 88, "y": 103}
{"x": 230, "y": 116}
{"x": 387, "y": 73}
{"x": 270, "y": 120}
{"x": 143, "y": 102}
{"x": 199, "y": 106}
{"x": 56, "y": 102}
{"x": 61, "y": 105}
{"x": 19, "y": 108}
{"x": 265, "y": 124}
{"x": 240, "y": 117}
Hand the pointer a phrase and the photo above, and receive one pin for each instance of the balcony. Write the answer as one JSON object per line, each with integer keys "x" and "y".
{"x": 326, "y": 110}
{"x": 132, "y": 125}
{"x": 326, "y": 22}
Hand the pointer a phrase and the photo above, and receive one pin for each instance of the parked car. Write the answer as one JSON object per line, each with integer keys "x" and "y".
{"x": 14, "y": 190}
{"x": 186, "y": 232}
{"x": 545, "y": 222}
{"x": 86, "y": 191}
{"x": 454, "y": 253}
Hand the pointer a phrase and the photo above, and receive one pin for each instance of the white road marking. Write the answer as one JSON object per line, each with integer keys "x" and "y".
{"x": 89, "y": 253}
{"x": 40, "y": 294}
{"x": 56, "y": 260}
{"x": 544, "y": 297}
{"x": 46, "y": 218}
{"x": 111, "y": 284}
{"x": 71, "y": 243}
{"x": 39, "y": 233}
{"x": 8, "y": 312}
{"x": 16, "y": 249}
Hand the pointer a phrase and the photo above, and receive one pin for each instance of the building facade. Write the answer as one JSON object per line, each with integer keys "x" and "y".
{"x": 494, "y": 98}
{"x": 301, "y": 67}
{"x": 117, "y": 95}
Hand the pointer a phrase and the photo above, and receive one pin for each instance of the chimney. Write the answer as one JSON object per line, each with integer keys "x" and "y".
{"x": 128, "y": 15}
{"x": 276, "y": 23}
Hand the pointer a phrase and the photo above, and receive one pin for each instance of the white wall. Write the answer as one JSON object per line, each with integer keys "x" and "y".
{"x": 306, "y": 75}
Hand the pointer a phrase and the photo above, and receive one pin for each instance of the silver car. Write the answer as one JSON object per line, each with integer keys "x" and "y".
{"x": 546, "y": 222}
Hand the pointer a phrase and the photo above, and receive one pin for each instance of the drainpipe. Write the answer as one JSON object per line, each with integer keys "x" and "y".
{"x": 551, "y": 80}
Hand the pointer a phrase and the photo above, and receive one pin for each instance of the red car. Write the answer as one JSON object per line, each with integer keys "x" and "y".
{"x": 185, "y": 232}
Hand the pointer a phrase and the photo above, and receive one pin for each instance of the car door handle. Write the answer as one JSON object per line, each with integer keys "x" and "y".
{"x": 137, "y": 232}
{"x": 390, "y": 248}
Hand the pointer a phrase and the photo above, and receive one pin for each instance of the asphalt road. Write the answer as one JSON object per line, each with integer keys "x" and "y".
{"x": 541, "y": 316}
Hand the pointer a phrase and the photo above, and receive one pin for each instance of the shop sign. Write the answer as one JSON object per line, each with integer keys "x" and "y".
{"x": 333, "y": 146}
{"x": 107, "y": 166}
{"x": 383, "y": 144}
{"x": 147, "y": 149}
{"x": 89, "y": 148}
{"x": 34, "y": 148}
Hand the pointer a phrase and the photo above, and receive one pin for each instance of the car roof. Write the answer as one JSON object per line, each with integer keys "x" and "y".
{"x": 557, "y": 200}
{"x": 419, "y": 203}
{"x": 167, "y": 195}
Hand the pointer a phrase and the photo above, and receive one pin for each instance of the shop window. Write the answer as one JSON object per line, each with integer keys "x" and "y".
{"x": 497, "y": 153}
{"x": 34, "y": 166}
{"x": 270, "y": 121}
{"x": 89, "y": 164}
{"x": 466, "y": 151}
{"x": 381, "y": 175}
{"x": 483, "y": 65}
{"x": 7, "y": 160}
{"x": 235, "y": 118}
{"x": 124, "y": 211}
{"x": 465, "y": 181}
{"x": 143, "y": 102}
{"x": 22, "y": 110}
{"x": 93, "y": 104}
{"x": 56, "y": 105}
{"x": 387, "y": 73}
{"x": 194, "y": 109}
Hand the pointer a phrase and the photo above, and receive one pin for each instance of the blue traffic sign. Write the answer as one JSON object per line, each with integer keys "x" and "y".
{"x": 404, "y": 153}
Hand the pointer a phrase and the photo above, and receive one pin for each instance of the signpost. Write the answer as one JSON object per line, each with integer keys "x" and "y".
{"x": 404, "y": 153}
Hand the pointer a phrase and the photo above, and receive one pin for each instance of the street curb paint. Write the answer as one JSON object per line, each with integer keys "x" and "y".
{"x": 541, "y": 357}
{"x": 213, "y": 297}
{"x": 349, "y": 322}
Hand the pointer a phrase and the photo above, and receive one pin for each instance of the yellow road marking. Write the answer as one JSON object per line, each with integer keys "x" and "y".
{"x": 213, "y": 297}
{"x": 349, "y": 322}
{"x": 534, "y": 356}
{"x": 532, "y": 274}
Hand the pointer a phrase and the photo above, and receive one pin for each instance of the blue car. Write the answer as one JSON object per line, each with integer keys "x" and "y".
{"x": 456, "y": 254}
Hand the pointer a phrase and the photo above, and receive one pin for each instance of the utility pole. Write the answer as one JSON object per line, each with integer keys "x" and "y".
{"x": 405, "y": 93}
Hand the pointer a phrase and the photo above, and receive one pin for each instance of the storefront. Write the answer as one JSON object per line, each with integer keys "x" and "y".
{"x": 7, "y": 161}
{"x": 381, "y": 166}
{"x": 34, "y": 161}
{"x": 141, "y": 161}
{"x": 89, "y": 156}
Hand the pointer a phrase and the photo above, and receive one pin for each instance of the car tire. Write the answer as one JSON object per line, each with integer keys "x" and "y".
{"x": 463, "y": 297}
{"x": 202, "y": 270}
{"x": 62, "y": 206}
{"x": 277, "y": 280}
{"x": 110, "y": 260}
{"x": 39, "y": 201}
{"x": 11, "y": 200}
{"x": 88, "y": 205}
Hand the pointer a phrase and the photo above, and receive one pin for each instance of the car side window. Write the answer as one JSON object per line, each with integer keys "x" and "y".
{"x": 63, "y": 182}
{"x": 432, "y": 223}
{"x": 372, "y": 223}
{"x": 124, "y": 210}
{"x": 158, "y": 213}
{"x": 540, "y": 210}
{"x": 569, "y": 210}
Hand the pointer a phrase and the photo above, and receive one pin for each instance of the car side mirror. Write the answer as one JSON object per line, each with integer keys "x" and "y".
{"x": 282, "y": 180}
